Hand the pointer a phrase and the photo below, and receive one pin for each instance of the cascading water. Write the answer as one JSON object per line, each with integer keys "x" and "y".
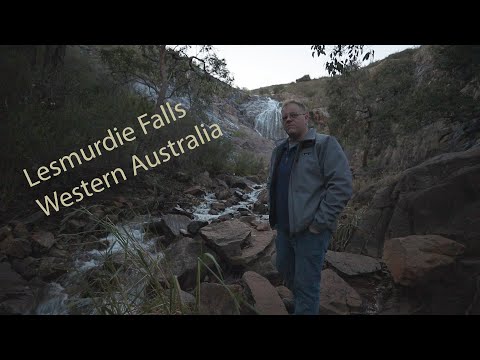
{"x": 266, "y": 115}
{"x": 269, "y": 122}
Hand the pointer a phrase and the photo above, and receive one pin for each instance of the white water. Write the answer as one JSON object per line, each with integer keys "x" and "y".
{"x": 56, "y": 300}
{"x": 266, "y": 115}
{"x": 201, "y": 211}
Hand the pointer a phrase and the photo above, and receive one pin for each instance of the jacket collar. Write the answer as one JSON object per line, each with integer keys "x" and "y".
{"x": 309, "y": 136}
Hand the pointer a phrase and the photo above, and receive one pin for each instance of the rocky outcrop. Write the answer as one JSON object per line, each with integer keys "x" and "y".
{"x": 439, "y": 196}
{"x": 418, "y": 259}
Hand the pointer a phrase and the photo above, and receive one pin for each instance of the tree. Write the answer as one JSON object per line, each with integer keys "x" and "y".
{"x": 342, "y": 57}
{"x": 166, "y": 71}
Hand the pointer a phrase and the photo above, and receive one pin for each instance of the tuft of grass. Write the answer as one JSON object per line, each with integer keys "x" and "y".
{"x": 143, "y": 283}
{"x": 347, "y": 224}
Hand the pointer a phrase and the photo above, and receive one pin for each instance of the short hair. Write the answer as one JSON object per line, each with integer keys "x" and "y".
{"x": 298, "y": 103}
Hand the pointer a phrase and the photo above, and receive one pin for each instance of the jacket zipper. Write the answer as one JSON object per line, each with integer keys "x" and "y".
{"x": 290, "y": 193}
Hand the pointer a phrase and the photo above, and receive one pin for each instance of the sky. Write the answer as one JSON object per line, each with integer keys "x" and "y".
{"x": 255, "y": 66}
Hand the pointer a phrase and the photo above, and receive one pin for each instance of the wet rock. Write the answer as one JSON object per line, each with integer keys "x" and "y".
{"x": 241, "y": 183}
{"x": 195, "y": 191}
{"x": 266, "y": 300}
{"x": 204, "y": 180}
{"x": 155, "y": 227}
{"x": 238, "y": 194}
{"x": 51, "y": 268}
{"x": 221, "y": 183}
{"x": 261, "y": 205}
{"x": 195, "y": 226}
{"x": 171, "y": 225}
{"x": 180, "y": 211}
{"x": 218, "y": 206}
{"x": 224, "y": 217}
{"x": 223, "y": 194}
{"x": 213, "y": 212}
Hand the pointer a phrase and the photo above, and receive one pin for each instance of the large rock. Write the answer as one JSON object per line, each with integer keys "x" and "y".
{"x": 195, "y": 226}
{"x": 171, "y": 225}
{"x": 265, "y": 297}
{"x": 261, "y": 205}
{"x": 240, "y": 182}
{"x": 18, "y": 248}
{"x": 42, "y": 241}
{"x": 181, "y": 259}
{"x": 215, "y": 299}
{"x": 27, "y": 267}
{"x": 223, "y": 194}
{"x": 195, "y": 191}
{"x": 439, "y": 196}
{"x": 50, "y": 268}
{"x": 352, "y": 264}
{"x": 257, "y": 243}
{"x": 228, "y": 237}
{"x": 15, "y": 296}
{"x": 336, "y": 296}
{"x": 265, "y": 265}
{"x": 416, "y": 259}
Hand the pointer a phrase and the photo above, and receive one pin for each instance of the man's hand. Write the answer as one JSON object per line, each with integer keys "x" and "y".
{"x": 312, "y": 230}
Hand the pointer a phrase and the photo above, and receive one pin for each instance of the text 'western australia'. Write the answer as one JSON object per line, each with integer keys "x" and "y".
{"x": 115, "y": 138}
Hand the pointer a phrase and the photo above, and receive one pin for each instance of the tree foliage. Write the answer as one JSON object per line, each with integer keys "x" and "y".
{"x": 342, "y": 57}
{"x": 167, "y": 71}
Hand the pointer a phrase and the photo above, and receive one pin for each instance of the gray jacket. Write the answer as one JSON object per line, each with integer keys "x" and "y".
{"x": 320, "y": 183}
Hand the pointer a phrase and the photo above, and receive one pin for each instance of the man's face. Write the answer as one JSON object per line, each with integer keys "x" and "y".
{"x": 295, "y": 121}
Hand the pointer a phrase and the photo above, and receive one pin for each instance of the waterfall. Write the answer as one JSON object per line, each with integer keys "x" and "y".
{"x": 265, "y": 116}
{"x": 269, "y": 122}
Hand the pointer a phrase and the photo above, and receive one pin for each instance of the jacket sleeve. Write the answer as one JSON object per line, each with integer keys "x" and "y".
{"x": 338, "y": 183}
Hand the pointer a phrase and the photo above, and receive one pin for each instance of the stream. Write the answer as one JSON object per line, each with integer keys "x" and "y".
{"x": 61, "y": 298}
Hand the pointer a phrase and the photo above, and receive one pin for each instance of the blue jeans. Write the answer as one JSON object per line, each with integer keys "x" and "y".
{"x": 300, "y": 261}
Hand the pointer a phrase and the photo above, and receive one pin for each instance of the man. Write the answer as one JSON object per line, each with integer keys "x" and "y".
{"x": 309, "y": 185}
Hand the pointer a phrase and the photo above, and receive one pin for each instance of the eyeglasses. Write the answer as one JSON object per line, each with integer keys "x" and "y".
{"x": 292, "y": 115}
